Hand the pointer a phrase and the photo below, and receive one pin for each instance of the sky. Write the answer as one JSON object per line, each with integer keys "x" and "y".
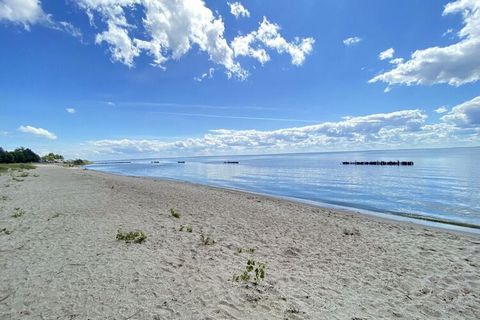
{"x": 116, "y": 79}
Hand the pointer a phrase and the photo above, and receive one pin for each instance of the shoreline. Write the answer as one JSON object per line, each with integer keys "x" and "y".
{"x": 61, "y": 257}
{"x": 415, "y": 219}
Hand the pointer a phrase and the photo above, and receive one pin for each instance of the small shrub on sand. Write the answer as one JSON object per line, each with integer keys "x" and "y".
{"x": 351, "y": 232}
{"x": 254, "y": 271}
{"x": 207, "y": 240}
{"x": 17, "y": 179}
{"x": 186, "y": 228}
{"x": 248, "y": 250}
{"x": 174, "y": 213}
{"x": 23, "y": 174}
{"x": 18, "y": 212}
{"x": 4, "y": 198}
{"x": 16, "y": 166}
{"x": 133, "y": 236}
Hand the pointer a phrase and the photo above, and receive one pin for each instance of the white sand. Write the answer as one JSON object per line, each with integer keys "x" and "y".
{"x": 62, "y": 261}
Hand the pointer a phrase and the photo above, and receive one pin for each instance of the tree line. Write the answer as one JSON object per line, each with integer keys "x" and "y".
{"x": 19, "y": 155}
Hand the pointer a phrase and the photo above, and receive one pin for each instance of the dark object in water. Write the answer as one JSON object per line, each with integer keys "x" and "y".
{"x": 180, "y": 161}
{"x": 231, "y": 162}
{"x": 155, "y": 162}
{"x": 112, "y": 162}
{"x": 379, "y": 163}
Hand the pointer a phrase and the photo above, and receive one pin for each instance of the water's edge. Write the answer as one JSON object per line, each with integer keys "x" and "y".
{"x": 390, "y": 216}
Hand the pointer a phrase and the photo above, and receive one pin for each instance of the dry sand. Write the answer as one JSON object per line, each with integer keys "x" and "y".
{"x": 62, "y": 261}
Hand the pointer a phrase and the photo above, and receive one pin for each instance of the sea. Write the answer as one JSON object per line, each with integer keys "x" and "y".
{"x": 443, "y": 185}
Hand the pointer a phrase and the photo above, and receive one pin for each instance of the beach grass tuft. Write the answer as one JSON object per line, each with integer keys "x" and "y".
{"x": 254, "y": 271}
{"x": 15, "y": 166}
{"x": 18, "y": 212}
{"x": 207, "y": 240}
{"x": 175, "y": 213}
{"x": 247, "y": 250}
{"x": 133, "y": 236}
{"x": 185, "y": 228}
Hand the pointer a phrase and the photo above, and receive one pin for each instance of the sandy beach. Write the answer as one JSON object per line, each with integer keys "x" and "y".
{"x": 60, "y": 259}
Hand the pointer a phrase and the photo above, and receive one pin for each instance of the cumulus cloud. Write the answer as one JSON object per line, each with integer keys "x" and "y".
{"x": 466, "y": 114}
{"x": 170, "y": 29}
{"x": 37, "y": 132}
{"x": 352, "y": 41}
{"x": 456, "y": 64}
{"x": 25, "y": 12}
{"x": 30, "y": 12}
{"x": 404, "y": 128}
{"x": 268, "y": 36}
{"x": 441, "y": 110}
{"x": 71, "y": 110}
{"x": 238, "y": 10}
{"x": 387, "y": 54}
{"x": 375, "y": 128}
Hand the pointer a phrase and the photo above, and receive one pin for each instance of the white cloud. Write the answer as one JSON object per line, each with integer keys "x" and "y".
{"x": 170, "y": 29}
{"x": 387, "y": 54}
{"x": 351, "y": 41}
{"x": 71, "y": 110}
{"x": 448, "y": 32}
{"x": 348, "y": 132}
{"x": 441, "y": 110}
{"x": 399, "y": 129}
{"x": 396, "y": 61}
{"x": 30, "y": 12}
{"x": 206, "y": 75}
{"x": 38, "y": 132}
{"x": 466, "y": 114}
{"x": 25, "y": 12}
{"x": 3, "y": 133}
{"x": 456, "y": 64}
{"x": 268, "y": 36}
{"x": 238, "y": 10}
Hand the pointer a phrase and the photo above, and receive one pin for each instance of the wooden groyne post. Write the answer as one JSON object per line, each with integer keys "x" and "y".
{"x": 378, "y": 163}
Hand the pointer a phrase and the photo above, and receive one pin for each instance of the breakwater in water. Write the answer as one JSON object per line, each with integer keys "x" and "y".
{"x": 378, "y": 163}
{"x": 444, "y": 184}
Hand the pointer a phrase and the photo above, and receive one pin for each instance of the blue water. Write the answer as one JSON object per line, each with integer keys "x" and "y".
{"x": 443, "y": 184}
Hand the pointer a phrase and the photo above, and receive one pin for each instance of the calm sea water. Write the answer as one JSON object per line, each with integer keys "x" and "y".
{"x": 443, "y": 184}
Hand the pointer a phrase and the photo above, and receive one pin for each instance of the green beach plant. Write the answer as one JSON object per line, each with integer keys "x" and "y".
{"x": 248, "y": 250}
{"x": 18, "y": 212}
{"x": 133, "y": 236}
{"x": 174, "y": 213}
{"x": 15, "y": 166}
{"x": 207, "y": 240}
{"x": 186, "y": 228}
{"x": 254, "y": 271}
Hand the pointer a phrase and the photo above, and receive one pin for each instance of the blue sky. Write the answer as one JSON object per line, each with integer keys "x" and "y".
{"x": 145, "y": 78}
